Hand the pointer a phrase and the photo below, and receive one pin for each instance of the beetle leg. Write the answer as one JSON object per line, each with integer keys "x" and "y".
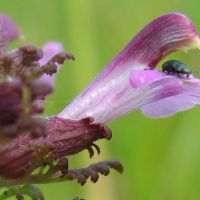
{"x": 147, "y": 68}
{"x": 179, "y": 75}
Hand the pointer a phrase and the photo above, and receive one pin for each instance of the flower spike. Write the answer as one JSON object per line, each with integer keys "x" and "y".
{"x": 33, "y": 149}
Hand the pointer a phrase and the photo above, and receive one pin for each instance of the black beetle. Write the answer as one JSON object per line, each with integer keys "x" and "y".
{"x": 175, "y": 66}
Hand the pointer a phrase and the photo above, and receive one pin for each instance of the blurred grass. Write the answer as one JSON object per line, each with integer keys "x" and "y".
{"x": 160, "y": 157}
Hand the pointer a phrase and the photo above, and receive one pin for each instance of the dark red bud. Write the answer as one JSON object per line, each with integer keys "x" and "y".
{"x": 64, "y": 137}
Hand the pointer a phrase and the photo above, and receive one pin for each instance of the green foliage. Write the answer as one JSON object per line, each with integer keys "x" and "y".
{"x": 20, "y": 191}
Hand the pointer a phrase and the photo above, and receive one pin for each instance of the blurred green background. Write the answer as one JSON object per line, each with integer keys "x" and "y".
{"x": 161, "y": 157}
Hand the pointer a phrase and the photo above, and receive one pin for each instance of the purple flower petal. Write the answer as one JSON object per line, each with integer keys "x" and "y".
{"x": 8, "y": 29}
{"x": 139, "y": 78}
{"x": 50, "y": 49}
{"x": 112, "y": 94}
{"x": 170, "y": 105}
{"x": 179, "y": 96}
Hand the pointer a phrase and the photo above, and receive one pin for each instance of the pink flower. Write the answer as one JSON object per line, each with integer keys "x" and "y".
{"x": 130, "y": 82}
{"x": 8, "y": 29}
{"x": 50, "y": 49}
